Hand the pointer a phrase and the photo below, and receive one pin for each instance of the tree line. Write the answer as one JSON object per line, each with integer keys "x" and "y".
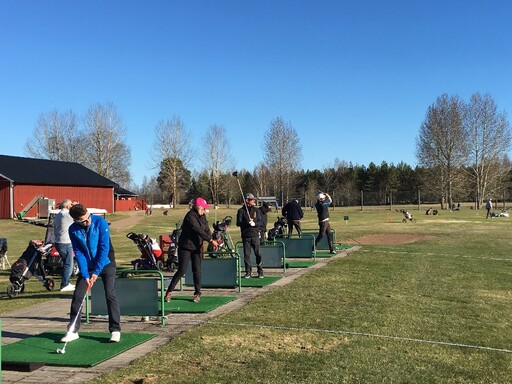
{"x": 460, "y": 150}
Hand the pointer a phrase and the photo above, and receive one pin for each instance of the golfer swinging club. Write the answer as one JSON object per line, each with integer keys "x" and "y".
{"x": 249, "y": 219}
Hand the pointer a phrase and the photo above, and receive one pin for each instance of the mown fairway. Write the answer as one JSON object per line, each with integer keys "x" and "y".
{"x": 435, "y": 310}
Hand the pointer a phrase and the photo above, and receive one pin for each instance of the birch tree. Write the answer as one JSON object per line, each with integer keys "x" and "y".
{"x": 172, "y": 145}
{"x": 105, "y": 147}
{"x": 489, "y": 136}
{"x": 56, "y": 136}
{"x": 217, "y": 161}
{"x": 441, "y": 145}
{"x": 282, "y": 154}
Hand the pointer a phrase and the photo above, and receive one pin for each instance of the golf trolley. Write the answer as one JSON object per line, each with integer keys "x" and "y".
{"x": 278, "y": 230}
{"x": 407, "y": 216}
{"x": 221, "y": 236}
{"x": 151, "y": 254}
{"x": 31, "y": 263}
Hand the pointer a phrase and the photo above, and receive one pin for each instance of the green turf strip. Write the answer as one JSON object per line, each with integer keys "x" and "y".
{"x": 300, "y": 264}
{"x": 324, "y": 254}
{"x": 257, "y": 282}
{"x": 185, "y": 304}
{"x": 90, "y": 349}
{"x": 342, "y": 246}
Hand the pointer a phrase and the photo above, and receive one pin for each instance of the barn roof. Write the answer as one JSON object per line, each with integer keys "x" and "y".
{"x": 25, "y": 170}
{"x": 123, "y": 192}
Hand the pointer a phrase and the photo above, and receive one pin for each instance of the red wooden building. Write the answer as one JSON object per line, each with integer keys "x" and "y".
{"x": 22, "y": 179}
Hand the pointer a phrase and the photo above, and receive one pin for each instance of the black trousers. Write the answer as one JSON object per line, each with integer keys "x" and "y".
{"x": 184, "y": 257}
{"x": 296, "y": 224}
{"x": 108, "y": 278}
{"x": 325, "y": 228}
{"x": 248, "y": 244}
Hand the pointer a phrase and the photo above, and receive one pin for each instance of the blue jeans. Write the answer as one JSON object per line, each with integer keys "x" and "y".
{"x": 66, "y": 253}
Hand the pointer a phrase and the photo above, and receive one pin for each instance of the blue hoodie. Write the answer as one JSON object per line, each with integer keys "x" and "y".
{"x": 91, "y": 245}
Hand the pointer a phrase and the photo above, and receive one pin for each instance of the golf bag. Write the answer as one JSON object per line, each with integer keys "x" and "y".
{"x": 151, "y": 254}
{"x": 172, "y": 253}
{"x": 220, "y": 235}
{"x": 29, "y": 264}
{"x": 278, "y": 230}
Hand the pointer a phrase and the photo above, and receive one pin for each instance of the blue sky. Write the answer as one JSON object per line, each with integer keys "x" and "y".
{"x": 354, "y": 78}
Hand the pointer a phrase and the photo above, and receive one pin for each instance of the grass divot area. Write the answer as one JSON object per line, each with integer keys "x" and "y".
{"x": 90, "y": 349}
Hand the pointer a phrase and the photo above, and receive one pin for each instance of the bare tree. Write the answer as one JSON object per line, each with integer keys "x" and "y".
{"x": 217, "y": 161}
{"x": 282, "y": 154}
{"x": 441, "y": 144}
{"x": 107, "y": 152}
{"x": 172, "y": 142}
{"x": 489, "y": 137}
{"x": 56, "y": 137}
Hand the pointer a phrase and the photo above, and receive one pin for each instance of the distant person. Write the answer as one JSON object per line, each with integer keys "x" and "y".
{"x": 61, "y": 224}
{"x": 194, "y": 231}
{"x": 276, "y": 205}
{"x": 264, "y": 209}
{"x": 248, "y": 218}
{"x": 293, "y": 213}
{"x": 322, "y": 210}
{"x": 90, "y": 236}
{"x": 488, "y": 207}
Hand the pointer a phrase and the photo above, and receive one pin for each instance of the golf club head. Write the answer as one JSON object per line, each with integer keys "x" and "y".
{"x": 61, "y": 351}
{"x": 235, "y": 173}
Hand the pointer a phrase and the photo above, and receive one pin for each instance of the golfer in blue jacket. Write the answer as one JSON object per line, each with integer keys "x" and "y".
{"x": 90, "y": 237}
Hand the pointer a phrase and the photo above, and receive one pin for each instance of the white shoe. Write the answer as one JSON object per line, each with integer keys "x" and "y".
{"x": 115, "y": 337}
{"x": 70, "y": 336}
{"x": 68, "y": 288}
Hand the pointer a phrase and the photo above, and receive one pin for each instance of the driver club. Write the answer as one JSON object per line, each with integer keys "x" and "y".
{"x": 72, "y": 327}
{"x": 242, "y": 192}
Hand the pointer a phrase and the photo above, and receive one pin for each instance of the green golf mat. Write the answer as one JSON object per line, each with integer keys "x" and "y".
{"x": 90, "y": 349}
{"x": 300, "y": 264}
{"x": 257, "y": 282}
{"x": 185, "y": 304}
{"x": 324, "y": 254}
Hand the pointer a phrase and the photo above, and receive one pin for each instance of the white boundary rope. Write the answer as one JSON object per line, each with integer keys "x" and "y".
{"x": 352, "y": 333}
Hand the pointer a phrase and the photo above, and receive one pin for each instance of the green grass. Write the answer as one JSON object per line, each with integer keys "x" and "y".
{"x": 373, "y": 317}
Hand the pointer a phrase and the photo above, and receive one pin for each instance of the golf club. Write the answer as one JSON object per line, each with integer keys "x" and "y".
{"x": 242, "y": 192}
{"x": 72, "y": 328}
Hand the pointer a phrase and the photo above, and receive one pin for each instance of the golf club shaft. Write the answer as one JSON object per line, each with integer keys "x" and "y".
{"x": 243, "y": 198}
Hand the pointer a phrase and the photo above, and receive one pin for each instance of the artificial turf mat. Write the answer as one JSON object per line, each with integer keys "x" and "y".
{"x": 300, "y": 264}
{"x": 90, "y": 349}
{"x": 185, "y": 304}
{"x": 257, "y": 282}
{"x": 324, "y": 254}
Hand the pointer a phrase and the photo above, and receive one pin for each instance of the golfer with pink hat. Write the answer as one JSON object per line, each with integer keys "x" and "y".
{"x": 194, "y": 231}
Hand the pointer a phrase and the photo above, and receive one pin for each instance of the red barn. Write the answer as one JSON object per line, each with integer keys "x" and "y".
{"x": 22, "y": 179}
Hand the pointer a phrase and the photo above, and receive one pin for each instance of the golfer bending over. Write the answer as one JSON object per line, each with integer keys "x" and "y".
{"x": 90, "y": 237}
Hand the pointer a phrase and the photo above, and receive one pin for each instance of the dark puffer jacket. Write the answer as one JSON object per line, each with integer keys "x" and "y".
{"x": 194, "y": 231}
{"x": 242, "y": 221}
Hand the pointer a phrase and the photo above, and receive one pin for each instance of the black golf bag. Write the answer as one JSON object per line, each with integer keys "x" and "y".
{"x": 278, "y": 230}
{"x": 29, "y": 264}
{"x": 220, "y": 235}
{"x": 172, "y": 253}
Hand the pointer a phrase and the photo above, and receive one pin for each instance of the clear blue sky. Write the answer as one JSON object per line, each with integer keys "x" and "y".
{"x": 354, "y": 78}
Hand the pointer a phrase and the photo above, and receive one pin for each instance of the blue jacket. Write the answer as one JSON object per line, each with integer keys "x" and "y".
{"x": 92, "y": 245}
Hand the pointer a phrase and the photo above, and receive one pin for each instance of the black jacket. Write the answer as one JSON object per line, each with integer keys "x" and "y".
{"x": 242, "y": 221}
{"x": 194, "y": 231}
{"x": 292, "y": 211}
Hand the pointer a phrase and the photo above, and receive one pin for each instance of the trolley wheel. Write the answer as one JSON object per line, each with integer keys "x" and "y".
{"x": 160, "y": 265}
{"x": 49, "y": 284}
{"x": 12, "y": 291}
{"x": 75, "y": 268}
{"x": 404, "y": 220}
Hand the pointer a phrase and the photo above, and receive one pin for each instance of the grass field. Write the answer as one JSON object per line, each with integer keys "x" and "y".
{"x": 423, "y": 302}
